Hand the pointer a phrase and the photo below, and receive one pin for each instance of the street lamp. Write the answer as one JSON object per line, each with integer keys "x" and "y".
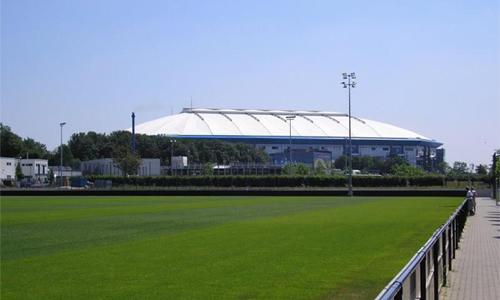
{"x": 348, "y": 85}
{"x": 172, "y": 141}
{"x": 61, "y": 150}
{"x": 290, "y": 119}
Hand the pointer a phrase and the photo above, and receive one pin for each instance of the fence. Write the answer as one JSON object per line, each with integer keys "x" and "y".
{"x": 427, "y": 271}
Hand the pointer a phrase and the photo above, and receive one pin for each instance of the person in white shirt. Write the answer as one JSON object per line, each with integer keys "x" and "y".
{"x": 470, "y": 201}
{"x": 474, "y": 194}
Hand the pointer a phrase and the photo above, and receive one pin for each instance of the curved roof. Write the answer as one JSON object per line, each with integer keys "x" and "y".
{"x": 258, "y": 123}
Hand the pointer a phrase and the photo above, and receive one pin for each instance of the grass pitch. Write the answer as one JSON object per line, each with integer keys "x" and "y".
{"x": 210, "y": 247}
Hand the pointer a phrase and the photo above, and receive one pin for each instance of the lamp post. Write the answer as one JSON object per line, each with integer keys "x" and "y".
{"x": 172, "y": 141}
{"x": 290, "y": 119}
{"x": 348, "y": 85}
{"x": 61, "y": 150}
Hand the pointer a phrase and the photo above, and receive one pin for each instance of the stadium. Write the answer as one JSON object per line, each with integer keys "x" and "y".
{"x": 310, "y": 135}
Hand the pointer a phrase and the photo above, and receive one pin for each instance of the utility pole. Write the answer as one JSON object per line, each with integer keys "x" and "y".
{"x": 348, "y": 85}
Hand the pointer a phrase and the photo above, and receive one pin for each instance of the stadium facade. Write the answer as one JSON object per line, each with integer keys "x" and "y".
{"x": 318, "y": 132}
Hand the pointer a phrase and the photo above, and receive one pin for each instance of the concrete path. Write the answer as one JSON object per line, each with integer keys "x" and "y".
{"x": 476, "y": 269}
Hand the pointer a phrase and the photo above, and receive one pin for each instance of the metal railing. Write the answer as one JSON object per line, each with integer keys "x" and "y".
{"x": 425, "y": 274}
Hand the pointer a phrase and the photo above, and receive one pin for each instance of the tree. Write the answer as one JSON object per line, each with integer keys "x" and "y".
{"x": 459, "y": 168}
{"x": 341, "y": 162}
{"x": 91, "y": 145}
{"x": 50, "y": 176}
{"x": 68, "y": 159}
{"x": 296, "y": 169}
{"x": 208, "y": 169}
{"x": 364, "y": 163}
{"x": 128, "y": 161}
{"x": 443, "y": 168}
{"x": 302, "y": 169}
{"x": 288, "y": 169}
{"x": 19, "y": 172}
{"x": 83, "y": 145}
{"x": 407, "y": 170}
{"x": 34, "y": 149}
{"x": 11, "y": 145}
{"x": 482, "y": 169}
{"x": 497, "y": 168}
{"x": 387, "y": 166}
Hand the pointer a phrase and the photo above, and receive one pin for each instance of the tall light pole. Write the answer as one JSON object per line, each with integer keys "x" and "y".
{"x": 348, "y": 85}
{"x": 172, "y": 141}
{"x": 61, "y": 150}
{"x": 290, "y": 119}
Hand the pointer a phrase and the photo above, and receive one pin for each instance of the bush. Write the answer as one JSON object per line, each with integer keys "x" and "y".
{"x": 275, "y": 181}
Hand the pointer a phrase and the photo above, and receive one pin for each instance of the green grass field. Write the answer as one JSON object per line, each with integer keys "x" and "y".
{"x": 210, "y": 247}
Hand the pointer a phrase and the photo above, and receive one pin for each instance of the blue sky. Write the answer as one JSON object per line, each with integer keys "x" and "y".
{"x": 428, "y": 66}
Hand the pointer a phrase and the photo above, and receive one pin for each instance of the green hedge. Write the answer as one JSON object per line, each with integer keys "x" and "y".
{"x": 275, "y": 181}
{"x": 474, "y": 178}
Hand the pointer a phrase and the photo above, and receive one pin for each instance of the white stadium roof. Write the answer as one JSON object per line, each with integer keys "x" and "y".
{"x": 259, "y": 123}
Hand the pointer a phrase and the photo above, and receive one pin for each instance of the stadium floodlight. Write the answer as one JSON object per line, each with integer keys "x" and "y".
{"x": 290, "y": 119}
{"x": 350, "y": 84}
{"x": 61, "y": 150}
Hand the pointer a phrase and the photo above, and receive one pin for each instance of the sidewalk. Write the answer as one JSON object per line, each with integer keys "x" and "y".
{"x": 476, "y": 269}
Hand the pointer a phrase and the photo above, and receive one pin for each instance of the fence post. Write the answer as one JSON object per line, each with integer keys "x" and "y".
{"x": 435, "y": 253}
{"x": 423, "y": 278}
{"x": 449, "y": 248}
{"x": 455, "y": 240}
{"x": 399, "y": 295}
{"x": 443, "y": 237}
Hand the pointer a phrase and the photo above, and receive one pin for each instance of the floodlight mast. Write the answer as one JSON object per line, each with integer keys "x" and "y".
{"x": 61, "y": 150}
{"x": 350, "y": 84}
{"x": 290, "y": 119}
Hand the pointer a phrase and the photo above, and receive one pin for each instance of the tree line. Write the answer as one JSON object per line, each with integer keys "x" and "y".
{"x": 90, "y": 145}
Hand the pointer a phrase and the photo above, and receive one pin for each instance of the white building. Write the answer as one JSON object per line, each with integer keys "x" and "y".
{"x": 106, "y": 166}
{"x": 35, "y": 168}
{"x": 8, "y": 168}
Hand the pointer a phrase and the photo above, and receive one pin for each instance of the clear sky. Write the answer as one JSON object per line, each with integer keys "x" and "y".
{"x": 428, "y": 66}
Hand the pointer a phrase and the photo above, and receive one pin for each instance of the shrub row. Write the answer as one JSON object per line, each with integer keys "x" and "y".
{"x": 274, "y": 181}
{"x": 473, "y": 177}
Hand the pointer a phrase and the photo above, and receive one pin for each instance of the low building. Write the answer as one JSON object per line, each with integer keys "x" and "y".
{"x": 106, "y": 166}
{"x": 8, "y": 168}
{"x": 65, "y": 172}
{"x": 149, "y": 167}
{"x": 103, "y": 166}
{"x": 35, "y": 168}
